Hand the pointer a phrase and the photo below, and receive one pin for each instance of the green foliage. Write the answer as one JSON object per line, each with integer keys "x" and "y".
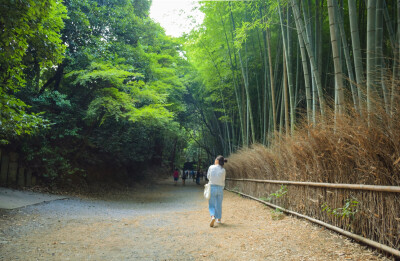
{"x": 52, "y": 149}
{"x": 118, "y": 95}
{"x": 279, "y": 193}
{"x": 349, "y": 209}
{"x": 277, "y": 214}
{"x": 113, "y": 102}
{"x": 100, "y": 75}
{"x": 29, "y": 34}
{"x": 29, "y": 28}
{"x": 54, "y": 162}
{"x": 14, "y": 121}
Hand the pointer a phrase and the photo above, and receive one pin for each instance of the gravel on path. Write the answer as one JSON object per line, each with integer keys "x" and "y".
{"x": 165, "y": 222}
{"x": 11, "y": 198}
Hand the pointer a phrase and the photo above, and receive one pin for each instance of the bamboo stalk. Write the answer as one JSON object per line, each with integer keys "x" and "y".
{"x": 361, "y": 239}
{"x": 389, "y": 26}
{"x": 272, "y": 81}
{"x": 394, "y": 189}
{"x": 355, "y": 39}
{"x": 306, "y": 79}
{"x": 301, "y": 29}
{"x": 287, "y": 70}
{"x": 333, "y": 26}
{"x": 371, "y": 47}
{"x": 346, "y": 51}
{"x": 285, "y": 93}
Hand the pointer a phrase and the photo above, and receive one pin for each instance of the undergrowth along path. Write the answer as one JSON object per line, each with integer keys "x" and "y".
{"x": 165, "y": 222}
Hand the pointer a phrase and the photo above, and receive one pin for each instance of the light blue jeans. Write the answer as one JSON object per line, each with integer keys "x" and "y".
{"x": 215, "y": 202}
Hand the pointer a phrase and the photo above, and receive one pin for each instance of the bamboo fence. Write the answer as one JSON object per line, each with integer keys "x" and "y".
{"x": 327, "y": 185}
{"x": 376, "y": 222}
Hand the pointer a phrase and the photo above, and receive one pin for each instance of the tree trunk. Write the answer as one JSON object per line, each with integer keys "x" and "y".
{"x": 271, "y": 79}
{"x": 56, "y": 78}
{"x": 311, "y": 39}
{"x": 371, "y": 48}
{"x": 297, "y": 82}
{"x": 265, "y": 60}
{"x": 286, "y": 50}
{"x": 221, "y": 95}
{"x": 282, "y": 105}
{"x": 389, "y": 27}
{"x": 246, "y": 87}
{"x": 301, "y": 30}
{"x": 36, "y": 69}
{"x": 306, "y": 77}
{"x": 355, "y": 40}
{"x": 260, "y": 114}
{"x": 320, "y": 37}
{"x": 173, "y": 155}
{"x": 234, "y": 81}
{"x": 347, "y": 56}
{"x": 393, "y": 98}
{"x": 285, "y": 94}
{"x": 380, "y": 68}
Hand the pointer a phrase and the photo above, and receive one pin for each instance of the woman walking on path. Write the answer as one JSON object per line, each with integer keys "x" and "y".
{"x": 184, "y": 176}
{"x": 216, "y": 177}
{"x": 176, "y": 176}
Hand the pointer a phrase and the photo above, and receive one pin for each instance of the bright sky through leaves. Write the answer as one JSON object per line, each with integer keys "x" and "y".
{"x": 176, "y": 16}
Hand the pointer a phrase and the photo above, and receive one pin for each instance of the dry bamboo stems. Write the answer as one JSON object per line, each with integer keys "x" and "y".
{"x": 364, "y": 240}
{"x": 394, "y": 189}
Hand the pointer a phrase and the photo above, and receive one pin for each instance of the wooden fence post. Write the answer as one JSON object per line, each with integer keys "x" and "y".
{"x": 33, "y": 183}
{"x": 12, "y": 169}
{"x": 4, "y": 169}
{"x": 21, "y": 176}
{"x": 28, "y": 182}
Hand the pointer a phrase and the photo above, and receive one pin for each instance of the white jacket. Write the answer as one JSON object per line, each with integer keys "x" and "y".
{"x": 216, "y": 175}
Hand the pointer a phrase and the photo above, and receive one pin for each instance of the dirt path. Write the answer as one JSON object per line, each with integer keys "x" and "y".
{"x": 164, "y": 222}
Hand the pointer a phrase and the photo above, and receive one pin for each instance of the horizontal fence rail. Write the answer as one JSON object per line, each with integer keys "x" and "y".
{"x": 364, "y": 240}
{"x": 393, "y": 189}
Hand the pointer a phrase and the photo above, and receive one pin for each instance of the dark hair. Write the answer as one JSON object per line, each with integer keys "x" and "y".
{"x": 221, "y": 160}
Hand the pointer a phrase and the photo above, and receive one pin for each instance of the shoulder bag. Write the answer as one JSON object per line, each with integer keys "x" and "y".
{"x": 207, "y": 191}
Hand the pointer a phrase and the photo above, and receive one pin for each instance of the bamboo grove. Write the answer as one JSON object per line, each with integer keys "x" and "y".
{"x": 306, "y": 91}
{"x": 270, "y": 67}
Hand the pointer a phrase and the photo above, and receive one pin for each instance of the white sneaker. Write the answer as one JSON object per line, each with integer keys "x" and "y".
{"x": 212, "y": 221}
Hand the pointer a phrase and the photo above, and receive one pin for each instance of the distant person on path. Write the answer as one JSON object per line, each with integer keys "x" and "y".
{"x": 194, "y": 175}
{"x": 216, "y": 177}
{"x": 184, "y": 176}
{"x": 198, "y": 177}
{"x": 176, "y": 176}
